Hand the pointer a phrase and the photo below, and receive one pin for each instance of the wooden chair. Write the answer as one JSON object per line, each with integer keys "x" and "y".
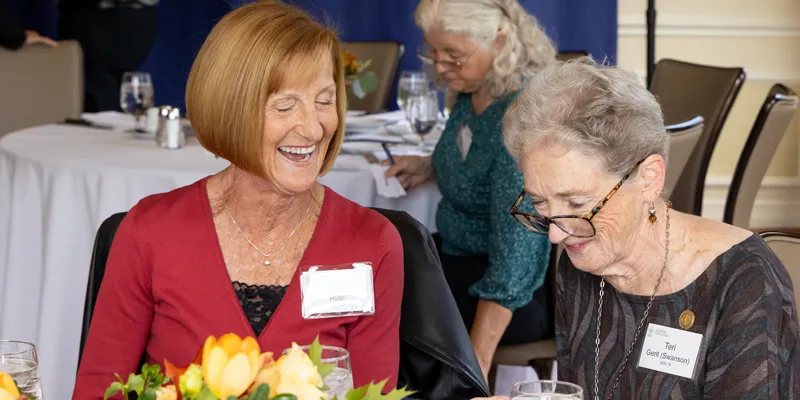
{"x": 774, "y": 118}
{"x": 686, "y": 90}
{"x": 683, "y": 139}
{"x": 385, "y": 58}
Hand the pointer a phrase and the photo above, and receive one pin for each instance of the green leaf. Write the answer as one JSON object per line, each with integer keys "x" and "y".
{"x": 232, "y": 397}
{"x": 164, "y": 380}
{"x": 315, "y": 354}
{"x": 115, "y": 388}
{"x": 206, "y": 394}
{"x": 149, "y": 394}
{"x": 261, "y": 393}
{"x": 136, "y": 383}
{"x": 145, "y": 369}
{"x": 155, "y": 369}
{"x": 119, "y": 378}
{"x": 285, "y": 397}
{"x": 373, "y": 391}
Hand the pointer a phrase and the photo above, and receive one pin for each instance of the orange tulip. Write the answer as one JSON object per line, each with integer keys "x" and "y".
{"x": 8, "y": 389}
{"x": 230, "y": 364}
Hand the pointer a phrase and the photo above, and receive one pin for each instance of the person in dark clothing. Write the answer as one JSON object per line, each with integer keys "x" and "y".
{"x": 13, "y": 35}
{"x": 116, "y": 36}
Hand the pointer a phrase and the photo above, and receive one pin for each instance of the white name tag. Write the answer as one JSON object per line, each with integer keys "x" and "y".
{"x": 464, "y": 141}
{"x": 337, "y": 291}
{"x": 669, "y": 350}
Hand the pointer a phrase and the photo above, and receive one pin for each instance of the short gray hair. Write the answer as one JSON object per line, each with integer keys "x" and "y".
{"x": 601, "y": 111}
{"x": 527, "y": 48}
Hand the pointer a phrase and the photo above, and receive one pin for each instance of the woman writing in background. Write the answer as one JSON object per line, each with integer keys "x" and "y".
{"x": 224, "y": 254}
{"x": 484, "y": 50}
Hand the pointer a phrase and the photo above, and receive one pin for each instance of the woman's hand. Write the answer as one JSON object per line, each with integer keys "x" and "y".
{"x": 33, "y": 37}
{"x": 411, "y": 171}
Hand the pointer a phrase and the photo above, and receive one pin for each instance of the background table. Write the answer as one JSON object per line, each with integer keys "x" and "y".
{"x": 58, "y": 183}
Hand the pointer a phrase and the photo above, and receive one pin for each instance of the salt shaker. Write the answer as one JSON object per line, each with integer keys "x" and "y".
{"x": 170, "y": 133}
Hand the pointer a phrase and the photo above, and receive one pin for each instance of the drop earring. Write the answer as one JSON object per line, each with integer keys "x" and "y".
{"x": 652, "y": 211}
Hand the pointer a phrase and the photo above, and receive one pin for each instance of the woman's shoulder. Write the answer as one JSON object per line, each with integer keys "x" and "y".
{"x": 357, "y": 224}
{"x": 182, "y": 204}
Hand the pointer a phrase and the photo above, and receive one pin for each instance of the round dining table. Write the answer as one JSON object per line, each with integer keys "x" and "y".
{"x": 59, "y": 182}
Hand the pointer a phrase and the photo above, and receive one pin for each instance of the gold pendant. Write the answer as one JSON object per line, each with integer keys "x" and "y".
{"x": 686, "y": 320}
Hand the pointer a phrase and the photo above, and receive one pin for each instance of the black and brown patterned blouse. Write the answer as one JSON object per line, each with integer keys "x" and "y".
{"x": 744, "y": 306}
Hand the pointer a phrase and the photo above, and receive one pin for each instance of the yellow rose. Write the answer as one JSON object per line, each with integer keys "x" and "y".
{"x": 293, "y": 373}
{"x": 8, "y": 389}
{"x": 230, "y": 365}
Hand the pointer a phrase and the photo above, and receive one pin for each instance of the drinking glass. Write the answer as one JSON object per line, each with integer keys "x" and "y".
{"x": 411, "y": 83}
{"x": 545, "y": 390}
{"x": 18, "y": 360}
{"x": 422, "y": 113}
{"x": 136, "y": 95}
{"x": 341, "y": 379}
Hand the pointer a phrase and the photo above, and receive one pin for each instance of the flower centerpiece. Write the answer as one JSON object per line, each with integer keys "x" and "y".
{"x": 232, "y": 368}
{"x": 359, "y": 82}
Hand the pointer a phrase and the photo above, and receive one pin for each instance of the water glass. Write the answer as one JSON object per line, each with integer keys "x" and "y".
{"x": 18, "y": 360}
{"x": 422, "y": 113}
{"x": 340, "y": 381}
{"x": 546, "y": 390}
{"x": 136, "y": 95}
{"x": 411, "y": 83}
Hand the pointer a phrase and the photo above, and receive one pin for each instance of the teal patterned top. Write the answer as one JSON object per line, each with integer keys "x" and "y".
{"x": 477, "y": 193}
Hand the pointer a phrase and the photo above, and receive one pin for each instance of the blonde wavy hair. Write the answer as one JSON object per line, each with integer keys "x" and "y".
{"x": 527, "y": 48}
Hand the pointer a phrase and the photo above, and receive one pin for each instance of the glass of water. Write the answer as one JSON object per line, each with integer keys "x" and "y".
{"x": 546, "y": 390}
{"x": 136, "y": 95}
{"x": 18, "y": 360}
{"x": 411, "y": 83}
{"x": 422, "y": 113}
{"x": 341, "y": 379}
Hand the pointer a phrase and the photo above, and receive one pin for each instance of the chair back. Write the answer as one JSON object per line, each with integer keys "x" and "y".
{"x": 774, "y": 118}
{"x": 686, "y": 90}
{"x": 787, "y": 247}
{"x": 436, "y": 355}
{"x": 97, "y": 269}
{"x": 385, "y": 58}
{"x": 40, "y": 85}
{"x": 571, "y": 55}
{"x": 683, "y": 139}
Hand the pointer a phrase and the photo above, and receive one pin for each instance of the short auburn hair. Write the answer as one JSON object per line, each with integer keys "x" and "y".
{"x": 253, "y": 52}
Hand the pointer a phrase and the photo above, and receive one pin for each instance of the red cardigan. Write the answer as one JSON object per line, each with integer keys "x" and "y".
{"x": 166, "y": 289}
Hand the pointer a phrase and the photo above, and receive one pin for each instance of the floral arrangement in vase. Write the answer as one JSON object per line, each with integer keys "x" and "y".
{"x": 232, "y": 368}
{"x": 359, "y": 82}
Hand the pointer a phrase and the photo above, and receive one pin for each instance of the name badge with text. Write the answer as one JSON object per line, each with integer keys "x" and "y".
{"x": 669, "y": 350}
{"x": 337, "y": 291}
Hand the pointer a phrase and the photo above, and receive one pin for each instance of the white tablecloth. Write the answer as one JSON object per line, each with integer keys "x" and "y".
{"x": 58, "y": 183}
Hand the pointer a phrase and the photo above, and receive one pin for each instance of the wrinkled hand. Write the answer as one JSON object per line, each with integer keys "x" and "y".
{"x": 33, "y": 37}
{"x": 411, "y": 171}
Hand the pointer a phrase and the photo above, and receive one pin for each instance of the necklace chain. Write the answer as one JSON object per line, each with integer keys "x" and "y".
{"x": 267, "y": 255}
{"x": 638, "y": 328}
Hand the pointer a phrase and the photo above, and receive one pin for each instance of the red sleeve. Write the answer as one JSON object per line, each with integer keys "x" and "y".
{"x": 374, "y": 341}
{"x": 121, "y": 321}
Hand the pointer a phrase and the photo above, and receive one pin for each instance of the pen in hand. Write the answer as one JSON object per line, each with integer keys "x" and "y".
{"x": 388, "y": 153}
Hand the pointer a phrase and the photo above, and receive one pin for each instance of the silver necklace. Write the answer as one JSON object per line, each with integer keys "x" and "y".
{"x": 267, "y": 262}
{"x": 638, "y": 328}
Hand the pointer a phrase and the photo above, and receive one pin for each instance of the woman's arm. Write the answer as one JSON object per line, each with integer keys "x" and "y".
{"x": 517, "y": 263}
{"x": 374, "y": 341}
{"x": 121, "y": 321}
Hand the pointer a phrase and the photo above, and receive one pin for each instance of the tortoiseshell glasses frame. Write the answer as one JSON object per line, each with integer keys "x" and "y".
{"x": 575, "y": 225}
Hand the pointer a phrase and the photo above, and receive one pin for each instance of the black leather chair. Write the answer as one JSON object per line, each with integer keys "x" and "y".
{"x": 436, "y": 356}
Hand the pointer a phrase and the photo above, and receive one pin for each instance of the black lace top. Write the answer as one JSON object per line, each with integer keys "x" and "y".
{"x": 259, "y": 302}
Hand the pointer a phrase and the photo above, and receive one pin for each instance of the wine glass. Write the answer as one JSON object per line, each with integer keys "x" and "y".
{"x": 411, "y": 83}
{"x": 340, "y": 380}
{"x": 136, "y": 95}
{"x": 546, "y": 390}
{"x": 422, "y": 113}
{"x": 19, "y": 360}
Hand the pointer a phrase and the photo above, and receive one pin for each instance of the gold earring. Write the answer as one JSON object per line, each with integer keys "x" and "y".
{"x": 652, "y": 211}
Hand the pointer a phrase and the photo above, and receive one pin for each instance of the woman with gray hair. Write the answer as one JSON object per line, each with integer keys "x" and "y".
{"x": 484, "y": 51}
{"x": 651, "y": 303}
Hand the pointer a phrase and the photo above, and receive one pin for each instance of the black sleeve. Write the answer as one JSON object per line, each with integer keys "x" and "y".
{"x": 12, "y": 34}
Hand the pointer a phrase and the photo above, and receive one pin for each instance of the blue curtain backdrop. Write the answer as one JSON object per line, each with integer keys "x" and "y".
{"x": 589, "y": 25}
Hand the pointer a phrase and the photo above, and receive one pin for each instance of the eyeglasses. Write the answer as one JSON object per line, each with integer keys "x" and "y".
{"x": 575, "y": 225}
{"x": 428, "y": 56}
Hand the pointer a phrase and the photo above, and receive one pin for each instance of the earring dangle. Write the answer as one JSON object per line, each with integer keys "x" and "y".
{"x": 652, "y": 211}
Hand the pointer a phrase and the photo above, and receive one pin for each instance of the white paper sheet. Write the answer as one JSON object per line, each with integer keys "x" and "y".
{"x": 387, "y": 187}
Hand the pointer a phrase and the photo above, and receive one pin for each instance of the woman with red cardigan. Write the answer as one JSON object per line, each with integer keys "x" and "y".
{"x": 225, "y": 254}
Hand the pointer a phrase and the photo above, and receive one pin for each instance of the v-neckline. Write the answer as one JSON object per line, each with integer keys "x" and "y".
{"x": 223, "y": 270}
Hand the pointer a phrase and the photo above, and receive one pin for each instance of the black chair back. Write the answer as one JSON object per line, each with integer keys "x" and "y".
{"x": 436, "y": 355}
